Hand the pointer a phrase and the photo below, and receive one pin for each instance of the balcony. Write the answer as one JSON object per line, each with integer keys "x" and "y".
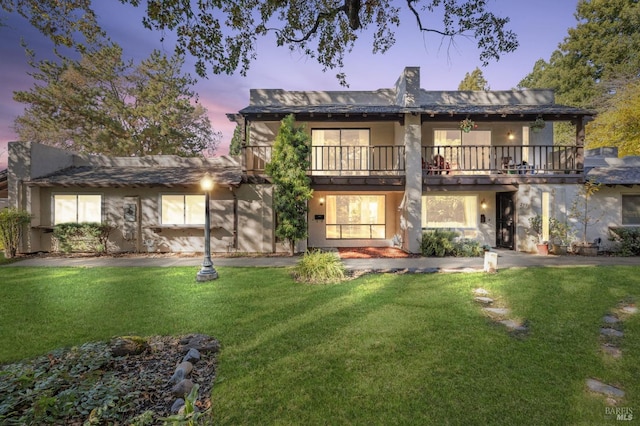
{"x": 501, "y": 159}
{"x": 338, "y": 160}
{"x": 436, "y": 160}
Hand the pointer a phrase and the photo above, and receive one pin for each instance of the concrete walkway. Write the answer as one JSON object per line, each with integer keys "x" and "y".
{"x": 506, "y": 259}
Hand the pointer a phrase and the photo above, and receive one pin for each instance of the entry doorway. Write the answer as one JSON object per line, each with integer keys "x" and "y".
{"x": 505, "y": 220}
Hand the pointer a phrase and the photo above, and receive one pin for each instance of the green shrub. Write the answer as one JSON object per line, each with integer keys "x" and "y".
{"x": 468, "y": 248}
{"x": 629, "y": 239}
{"x": 438, "y": 243}
{"x": 442, "y": 242}
{"x": 317, "y": 267}
{"x": 11, "y": 223}
{"x": 90, "y": 237}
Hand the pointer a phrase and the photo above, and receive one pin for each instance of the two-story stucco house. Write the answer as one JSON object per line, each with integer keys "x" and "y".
{"x": 390, "y": 163}
{"x": 385, "y": 166}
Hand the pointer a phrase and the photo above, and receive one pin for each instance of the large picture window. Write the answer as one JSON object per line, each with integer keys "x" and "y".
{"x": 449, "y": 211}
{"x": 355, "y": 217}
{"x": 180, "y": 209}
{"x": 340, "y": 151}
{"x": 631, "y": 209}
{"x": 77, "y": 208}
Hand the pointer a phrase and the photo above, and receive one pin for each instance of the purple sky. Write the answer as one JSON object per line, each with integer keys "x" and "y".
{"x": 540, "y": 26}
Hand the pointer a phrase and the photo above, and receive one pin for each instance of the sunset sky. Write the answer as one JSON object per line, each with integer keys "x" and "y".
{"x": 540, "y": 25}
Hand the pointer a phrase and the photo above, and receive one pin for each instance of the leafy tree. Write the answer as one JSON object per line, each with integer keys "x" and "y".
{"x": 224, "y": 34}
{"x": 588, "y": 66}
{"x": 618, "y": 124}
{"x": 292, "y": 190}
{"x": 474, "y": 81}
{"x": 601, "y": 48}
{"x": 235, "y": 147}
{"x": 101, "y": 104}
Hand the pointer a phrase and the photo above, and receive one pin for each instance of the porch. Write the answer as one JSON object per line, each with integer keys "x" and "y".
{"x": 390, "y": 160}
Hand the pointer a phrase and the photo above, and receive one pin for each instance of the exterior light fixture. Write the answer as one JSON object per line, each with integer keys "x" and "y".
{"x": 207, "y": 272}
{"x": 510, "y": 135}
{"x": 483, "y": 204}
{"x": 321, "y": 201}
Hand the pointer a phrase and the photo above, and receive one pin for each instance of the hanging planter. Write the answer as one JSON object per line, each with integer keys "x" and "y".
{"x": 467, "y": 125}
{"x": 538, "y": 125}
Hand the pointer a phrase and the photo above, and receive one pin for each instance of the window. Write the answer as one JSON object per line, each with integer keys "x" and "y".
{"x": 631, "y": 209}
{"x": 355, "y": 216}
{"x": 340, "y": 151}
{"x": 449, "y": 211}
{"x": 463, "y": 151}
{"x": 180, "y": 209}
{"x": 77, "y": 208}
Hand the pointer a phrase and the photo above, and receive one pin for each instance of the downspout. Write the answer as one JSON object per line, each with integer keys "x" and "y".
{"x": 235, "y": 218}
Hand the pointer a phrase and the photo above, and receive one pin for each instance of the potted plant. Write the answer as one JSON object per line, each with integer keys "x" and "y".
{"x": 467, "y": 125}
{"x": 584, "y": 214}
{"x": 560, "y": 234}
{"x": 538, "y": 125}
{"x": 536, "y": 232}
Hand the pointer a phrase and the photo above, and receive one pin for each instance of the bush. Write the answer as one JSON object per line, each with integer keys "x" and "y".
{"x": 317, "y": 267}
{"x": 629, "y": 239}
{"x": 11, "y": 224}
{"x": 441, "y": 243}
{"x": 88, "y": 237}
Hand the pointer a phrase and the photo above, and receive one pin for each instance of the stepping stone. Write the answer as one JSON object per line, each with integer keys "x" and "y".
{"x": 610, "y": 319}
{"x": 513, "y": 325}
{"x": 480, "y": 292}
{"x": 629, "y": 309}
{"x": 498, "y": 311}
{"x": 599, "y": 387}
{"x": 611, "y": 332}
{"x": 484, "y": 300}
{"x": 611, "y": 350}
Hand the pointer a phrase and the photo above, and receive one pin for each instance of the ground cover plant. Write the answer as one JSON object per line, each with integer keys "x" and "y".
{"x": 379, "y": 349}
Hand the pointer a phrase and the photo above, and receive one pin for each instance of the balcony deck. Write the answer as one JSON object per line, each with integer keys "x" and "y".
{"x": 444, "y": 164}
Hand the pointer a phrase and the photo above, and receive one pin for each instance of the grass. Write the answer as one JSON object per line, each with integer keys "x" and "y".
{"x": 381, "y": 349}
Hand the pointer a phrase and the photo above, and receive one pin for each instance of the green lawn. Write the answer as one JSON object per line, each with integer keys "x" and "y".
{"x": 382, "y": 349}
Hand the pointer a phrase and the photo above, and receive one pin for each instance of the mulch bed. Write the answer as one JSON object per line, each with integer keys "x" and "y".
{"x": 373, "y": 253}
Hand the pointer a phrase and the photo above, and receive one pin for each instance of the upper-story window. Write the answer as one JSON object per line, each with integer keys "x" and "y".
{"x": 182, "y": 209}
{"x": 463, "y": 151}
{"x": 340, "y": 151}
{"x": 77, "y": 208}
{"x": 631, "y": 209}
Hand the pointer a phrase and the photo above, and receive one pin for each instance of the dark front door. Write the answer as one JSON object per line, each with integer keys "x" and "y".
{"x": 505, "y": 220}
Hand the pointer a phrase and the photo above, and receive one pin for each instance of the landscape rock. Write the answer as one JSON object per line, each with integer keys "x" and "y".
{"x": 610, "y": 319}
{"x": 201, "y": 342}
{"x": 514, "y": 325}
{"x": 182, "y": 388}
{"x": 611, "y": 350}
{"x": 480, "y": 292}
{"x": 192, "y": 356}
{"x": 177, "y": 405}
{"x": 484, "y": 300}
{"x": 497, "y": 311}
{"x": 611, "y": 332}
{"x": 599, "y": 387}
{"x": 629, "y": 309}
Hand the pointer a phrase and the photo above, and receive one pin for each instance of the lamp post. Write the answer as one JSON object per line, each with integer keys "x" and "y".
{"x": 207, "y": 272}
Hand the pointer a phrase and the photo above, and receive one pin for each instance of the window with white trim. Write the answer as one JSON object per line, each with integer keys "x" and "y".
{"x": 340, "y": 151}
{"x": 449, "y": 211}
{"x": 631, "y": 209}
{"x": 355, "y": 217}
{"x": 182, "y": 209}
{"x": 77, "y": 208}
